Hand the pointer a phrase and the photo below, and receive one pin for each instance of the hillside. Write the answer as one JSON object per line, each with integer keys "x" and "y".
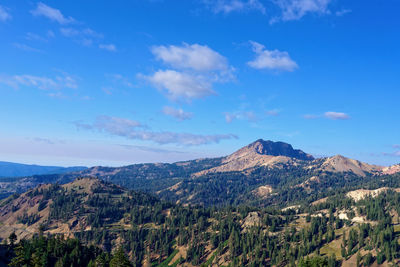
{"x": 342, "y": 164}
{"x": 116, "y": 223}
{"x": 62, "y": 209}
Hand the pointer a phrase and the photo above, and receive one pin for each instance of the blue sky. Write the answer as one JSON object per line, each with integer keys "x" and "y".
{"x": 120, "y": 82}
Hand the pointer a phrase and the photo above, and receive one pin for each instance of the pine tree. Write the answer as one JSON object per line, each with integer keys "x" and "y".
{"x": 119, "y": 259}
{"x": 358, "y": 258}
{"x": 19, "y": 259}
{"x": 12, "y": 238}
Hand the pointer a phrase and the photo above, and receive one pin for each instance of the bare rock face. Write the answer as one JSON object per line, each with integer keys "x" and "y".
{"x": 391, "y": 169}
{"x": 271, "y": 148}
{"x": 253, "y": 219}
{"x": 259, "y": 153}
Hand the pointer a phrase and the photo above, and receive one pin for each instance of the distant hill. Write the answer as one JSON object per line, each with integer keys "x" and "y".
{"x": 11, "y": 169}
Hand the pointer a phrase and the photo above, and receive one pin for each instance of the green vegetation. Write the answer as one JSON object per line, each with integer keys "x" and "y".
{"x": 129, "y": 228}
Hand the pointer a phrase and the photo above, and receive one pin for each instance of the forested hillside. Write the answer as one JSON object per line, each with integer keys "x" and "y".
{"x": 261, "y": 173}
{"x": 90, "y": 222}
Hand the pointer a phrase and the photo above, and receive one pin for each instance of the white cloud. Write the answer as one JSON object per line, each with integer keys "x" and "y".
{"x": 240, "y": 115}
{"x": 180, "y": 85}
{"x": 271, "y": 59}
{"x": 288, "y": 10}
{"x": 40, "y": 82}
{"x": 51, "y": 13}
{"x": 296, "y": 9}
{"x": 195, "y": 68}
{"x": 336, "y": 115}
{"x": 4, "y": 15}
{"x": 178, "y": 114}
{"x": 195, "y": 57}
{"x": 228, "y": 6}
{"x": 108, "y": 47}
{"x": 135, "y": 130}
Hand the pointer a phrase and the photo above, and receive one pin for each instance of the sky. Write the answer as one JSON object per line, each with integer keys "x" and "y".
{"x": 122, "y": 82}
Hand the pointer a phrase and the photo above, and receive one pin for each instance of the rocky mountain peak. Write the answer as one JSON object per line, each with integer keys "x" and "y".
{"x": 272, "y": 148}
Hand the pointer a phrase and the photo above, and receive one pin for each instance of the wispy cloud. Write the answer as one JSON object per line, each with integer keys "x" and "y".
{"x": 40, "y": 82}
{"x": 273, "y": 112}
{"x": 392, "y": 154}
{"x": 34, "y": 37}
{"x": 48, "y": 141}
{"x": 87, "y": 32}
{"x": 152, "y": 149}
{"x": 50, "y": 34}
{"x": 342, "y": 12}
{"x": 239, "y": 115}
{"x": 278, "y": 10}
{"x": 119, "y": 79}
{"x": 108, "y": 47}
{"x": 51, "y": 13}
{"x": 296, "y": 9}
{"x": 271, "y": 59}
{"x": 135, "y": 130}
{"x": 81, "y": 33}
{"x": 228, "y": 6}
{"x": 85, "y": 36}
{"x": 27, "y": 48}
{"x": 332, "y": 115}
{"x": 178, "y": 114}
{"x": 4, "y": 14}
{"x": 336, "y": 115}
{"x": 194, "y": 70}
{"x": 70, "y": 32}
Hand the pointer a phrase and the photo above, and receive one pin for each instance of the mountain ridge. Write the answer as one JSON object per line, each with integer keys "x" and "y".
{"x": 13, "y": 169}
{"x": 266, "y": 167}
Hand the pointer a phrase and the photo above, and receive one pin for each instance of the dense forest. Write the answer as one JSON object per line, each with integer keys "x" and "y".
{"x": 117, "y": 227}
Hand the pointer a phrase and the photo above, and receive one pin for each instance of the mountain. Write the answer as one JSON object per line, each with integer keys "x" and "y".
{"x": 341, "y": 164}
{"x": 10, "y": 169}
{"x": 262, "y": 173}
{"x": 259, "y": 153}
{"x": 271, "y": 148}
